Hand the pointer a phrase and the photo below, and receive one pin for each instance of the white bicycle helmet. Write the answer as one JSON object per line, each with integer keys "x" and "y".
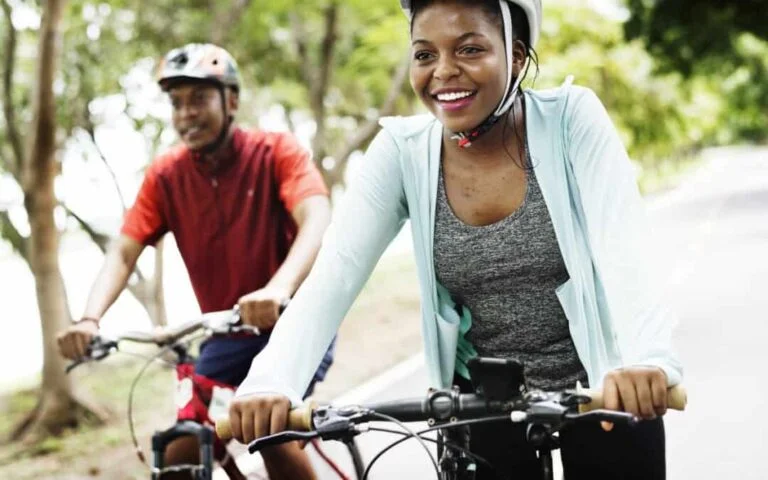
{"x": 532, "y": 9}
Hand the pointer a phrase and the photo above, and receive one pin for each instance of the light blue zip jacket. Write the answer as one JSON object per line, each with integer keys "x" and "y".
{"x": 612, "y": 299}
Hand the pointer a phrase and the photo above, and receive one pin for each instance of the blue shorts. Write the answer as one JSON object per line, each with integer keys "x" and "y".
{"x": 228, "y": 359}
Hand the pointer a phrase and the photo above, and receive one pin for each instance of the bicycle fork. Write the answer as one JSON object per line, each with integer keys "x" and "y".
{"x": 455, "y": 465}
{"x": 204, "y": 434}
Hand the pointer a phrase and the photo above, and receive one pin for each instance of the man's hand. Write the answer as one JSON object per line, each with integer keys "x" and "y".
{"x": 261, "y": 308}
{"x": 74, "y": 341}
{"x": 641, "y": 391}
{"x": 259, "y": 415}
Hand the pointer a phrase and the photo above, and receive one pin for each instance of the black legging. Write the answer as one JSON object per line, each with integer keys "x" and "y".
{"x": 624, "y": 453}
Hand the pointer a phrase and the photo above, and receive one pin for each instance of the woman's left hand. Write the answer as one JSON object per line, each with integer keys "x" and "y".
{"x": 641, "y": 391}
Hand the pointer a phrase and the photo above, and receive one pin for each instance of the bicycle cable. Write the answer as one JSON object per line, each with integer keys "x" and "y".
{"x": 150, "y": 361}
{"x": 449, "y": 445}
{"x": 432, "y": 429}
{"x": 411, "y": 434}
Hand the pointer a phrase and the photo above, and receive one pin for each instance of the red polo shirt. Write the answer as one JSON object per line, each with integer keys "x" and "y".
{"x": 233, "y": 227}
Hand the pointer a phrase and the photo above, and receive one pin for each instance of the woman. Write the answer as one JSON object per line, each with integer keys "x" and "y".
{"x": 528, "y": 235}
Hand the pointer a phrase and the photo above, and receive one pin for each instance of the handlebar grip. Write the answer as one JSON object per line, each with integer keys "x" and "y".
{"x": 299, "y": 420}
{"x": 677, "y": 399}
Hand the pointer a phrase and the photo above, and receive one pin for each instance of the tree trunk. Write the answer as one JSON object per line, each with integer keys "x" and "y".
{"x": 58, "y": 406}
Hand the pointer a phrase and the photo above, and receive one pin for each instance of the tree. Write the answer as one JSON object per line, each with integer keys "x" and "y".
{"x": 104, "y": 44}
{"x": 726, "y": 40}
{"x": 59, "y": 405}
{"x": 313, "y": 56}
{"x": 688, "y": 33}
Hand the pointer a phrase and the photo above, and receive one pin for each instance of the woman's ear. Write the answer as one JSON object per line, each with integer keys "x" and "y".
{"x": 519, "y": 55}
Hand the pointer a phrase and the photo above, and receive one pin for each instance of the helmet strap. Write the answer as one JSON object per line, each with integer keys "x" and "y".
{"x": 228, "y": 119}
{"x": 466, "y": 138}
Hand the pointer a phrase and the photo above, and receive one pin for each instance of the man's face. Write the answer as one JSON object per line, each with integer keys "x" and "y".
{"x": 198, "y": 114}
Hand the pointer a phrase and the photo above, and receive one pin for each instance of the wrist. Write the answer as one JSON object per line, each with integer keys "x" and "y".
{"x": 87, "y": 319}
{"x": 285, "y": 291}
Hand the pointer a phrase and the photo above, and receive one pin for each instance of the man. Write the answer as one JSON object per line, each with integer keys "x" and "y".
{"x": 248, "y": 210}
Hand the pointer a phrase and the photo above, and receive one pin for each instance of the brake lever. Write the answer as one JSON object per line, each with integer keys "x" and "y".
{"x": 604, "y": 415}
{"x": 98, "y": 349}
{"x": 280, "y": 438}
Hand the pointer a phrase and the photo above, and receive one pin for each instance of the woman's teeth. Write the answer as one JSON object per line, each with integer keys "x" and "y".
{"x": 453, "y": 96}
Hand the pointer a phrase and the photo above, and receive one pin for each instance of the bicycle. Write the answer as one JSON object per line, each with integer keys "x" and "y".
{"x": 176, "y": 341}
{"x": 500, "y": 394}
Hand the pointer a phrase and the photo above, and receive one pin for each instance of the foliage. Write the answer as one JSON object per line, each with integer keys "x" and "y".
{"x": 725, "y": 41}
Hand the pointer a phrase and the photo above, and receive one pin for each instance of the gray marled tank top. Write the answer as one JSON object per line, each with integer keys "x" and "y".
{"x": 506, "y": 274}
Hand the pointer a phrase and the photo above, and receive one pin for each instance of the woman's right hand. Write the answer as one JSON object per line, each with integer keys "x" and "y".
{"x": 258, "y": 415}
{"x": 74, "y": 341}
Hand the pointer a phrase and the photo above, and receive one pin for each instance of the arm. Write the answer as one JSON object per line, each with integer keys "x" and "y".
{"x": 143, "y": 225}
{"x": 620, "y": 240}
{"x": 119, "y": 262}
{"x": 312, "y": 217}
{"x": 368, "y": 218}
{"x": 262, "y": 307}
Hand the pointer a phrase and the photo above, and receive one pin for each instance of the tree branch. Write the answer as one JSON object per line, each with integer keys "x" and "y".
{"x": 320, "y": 87}
{"x": 225, "y": 16}
{"x": 9, "y": 232}
{"x": 369, "y": 129}
{"x": 326, "y": 50}
{"x": 300, "y": 37}
{"x": 101, "y": 240}
{"x": 92, "y": 136}
{"x": 9, "y": 110}
{"x": 5, "y": 162}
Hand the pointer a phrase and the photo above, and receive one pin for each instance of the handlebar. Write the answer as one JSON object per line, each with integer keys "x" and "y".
{"x": 677, "y": 398}
{"x": 218, "y": 323}
{"x": 445, "y": 405}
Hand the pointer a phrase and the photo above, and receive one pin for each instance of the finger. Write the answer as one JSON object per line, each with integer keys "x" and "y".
{"x": 234, "y": 423}
{"x": 81, "y": 344}
{"x": 645, "y": 398}
{"x": 69, "y": 348}
{"x": 246, "y": 314}
{"x": 248, "y": 419}
{"x": 261, "y": 422}
{"x": 659, "y": 393}
{"x": 63, "y": 345}
{"x": 279, "y": 418}
{"x": 628, "y": 395}
{"x": 610, "y": 400}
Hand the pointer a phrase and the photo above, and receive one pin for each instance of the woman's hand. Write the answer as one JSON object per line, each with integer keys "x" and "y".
{"x": 641, "y": 391}
{"x": 258, "y": 415}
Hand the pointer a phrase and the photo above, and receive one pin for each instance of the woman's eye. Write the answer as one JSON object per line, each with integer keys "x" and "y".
{"x": 422, "y": 56}
{"x": 471, "y": 50}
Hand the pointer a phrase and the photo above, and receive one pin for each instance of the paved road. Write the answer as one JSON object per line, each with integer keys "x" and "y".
{"x": 713, "y": 232}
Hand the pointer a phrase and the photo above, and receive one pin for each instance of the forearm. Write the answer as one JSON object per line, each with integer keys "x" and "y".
{"x": 303, "y": 252}
{"x": 119, "y": 263}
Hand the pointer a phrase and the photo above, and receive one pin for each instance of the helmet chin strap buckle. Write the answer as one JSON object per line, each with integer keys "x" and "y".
{"x": 462, "y": 140}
